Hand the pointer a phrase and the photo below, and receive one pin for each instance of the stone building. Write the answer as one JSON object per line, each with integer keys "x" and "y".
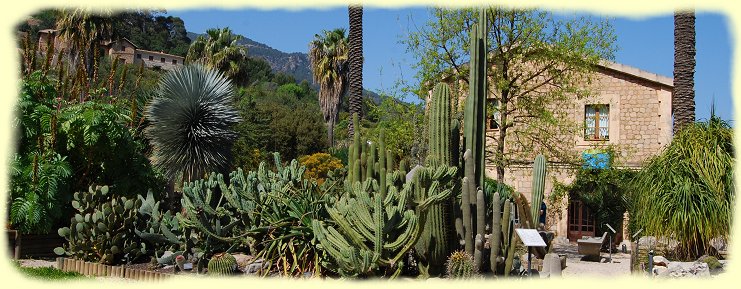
{"x": 123, "y": 48}
{"x": 630, "y": 109}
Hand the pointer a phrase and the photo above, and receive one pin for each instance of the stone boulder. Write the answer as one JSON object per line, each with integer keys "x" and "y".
{"x": 661, "y": 261}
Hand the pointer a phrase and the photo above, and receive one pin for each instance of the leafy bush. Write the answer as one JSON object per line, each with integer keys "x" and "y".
{"x": 686, "y": 193}
{"x": 318, "y": 165}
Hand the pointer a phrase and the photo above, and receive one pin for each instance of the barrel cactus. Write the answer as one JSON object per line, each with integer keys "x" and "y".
{"x": 222, "y": 264}
{"x": 460, "y": 265}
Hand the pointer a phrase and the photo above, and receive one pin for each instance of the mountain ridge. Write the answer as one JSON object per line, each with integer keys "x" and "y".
{"x": 295, "y": 64}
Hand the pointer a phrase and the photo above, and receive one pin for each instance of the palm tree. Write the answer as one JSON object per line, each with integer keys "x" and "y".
{"x": 220, "y": 49}
{"x": 355, "y": 37}
{"x": 82, "y": 31}
{"x": 328, "y": 57}
{"x": 190, "y": 122}
{"x": 683, "y": 96}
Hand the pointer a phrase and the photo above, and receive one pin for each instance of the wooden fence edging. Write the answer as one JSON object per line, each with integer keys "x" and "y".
{"x": 102, "y": 270}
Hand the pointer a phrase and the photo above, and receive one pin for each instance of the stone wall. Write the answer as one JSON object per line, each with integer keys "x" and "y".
{"x": 157, "y": 59}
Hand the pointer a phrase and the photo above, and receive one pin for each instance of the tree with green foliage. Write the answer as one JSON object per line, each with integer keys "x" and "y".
{"x": 191, "y": 122}
{"x": 220, "y": 49}
{"x": 83, "y": 30}
{"x": 66, "y": 146}
{"x": 328, "y": 54}
{"x": 687, "y": 193}
{"x": 402, "y": 124}
{"x": 285, "y": 119}
{"x": 152, "y": 30}
{"x": 540, "y": 63}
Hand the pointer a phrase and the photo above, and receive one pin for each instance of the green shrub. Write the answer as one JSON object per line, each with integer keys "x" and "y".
{"x": 686, "y": 193}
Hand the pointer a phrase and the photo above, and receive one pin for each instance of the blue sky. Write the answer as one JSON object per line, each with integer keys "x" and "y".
{"x": 645, "y": 43}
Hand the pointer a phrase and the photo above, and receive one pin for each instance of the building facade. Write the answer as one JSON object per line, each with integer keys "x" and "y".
{"x": 122, "y": 48}
{"x": 630, "y": 109}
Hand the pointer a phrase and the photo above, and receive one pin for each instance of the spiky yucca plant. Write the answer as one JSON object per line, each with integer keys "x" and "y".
{"x": 190, "y": 122}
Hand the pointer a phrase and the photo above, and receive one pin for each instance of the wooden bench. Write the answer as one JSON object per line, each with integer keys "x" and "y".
{"x": 591, "y": 246}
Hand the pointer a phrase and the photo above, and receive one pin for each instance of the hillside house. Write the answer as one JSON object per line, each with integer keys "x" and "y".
{"x": 123, "y": 48}
{"x": 630, "y": 109}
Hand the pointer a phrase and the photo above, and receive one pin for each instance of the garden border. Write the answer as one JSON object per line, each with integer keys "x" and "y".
{"x": 102, "y": 270}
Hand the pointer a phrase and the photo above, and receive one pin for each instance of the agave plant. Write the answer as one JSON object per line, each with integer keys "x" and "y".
{"x": 190, "y": 122}
{"x": 687, "y": 192}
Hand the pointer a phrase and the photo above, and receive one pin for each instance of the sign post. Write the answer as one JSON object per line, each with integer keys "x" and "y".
{"x": 530, "y": 238}
{"x": 610, "y": 244}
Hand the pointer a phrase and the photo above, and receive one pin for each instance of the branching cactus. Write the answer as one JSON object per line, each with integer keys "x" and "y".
{"x": 228, "y": 216}
{"x": 102, "y": 229}
{"x": 371, "y": 233}
{"x": 378, "y": 220}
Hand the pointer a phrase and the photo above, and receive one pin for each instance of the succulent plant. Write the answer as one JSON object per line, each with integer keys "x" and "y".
{"x": 460, "y": 265}
{"x": 377, "y": 221}
{"x": 102, "y": 229}
{"x": 222, "y": 264}
{"x": 435, "y": 244}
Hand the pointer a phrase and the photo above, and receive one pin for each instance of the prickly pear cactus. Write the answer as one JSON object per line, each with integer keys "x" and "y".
{"x": 460, "y": 265}
{"x": 102, "y": 229}
{"x": 222, "y": 264}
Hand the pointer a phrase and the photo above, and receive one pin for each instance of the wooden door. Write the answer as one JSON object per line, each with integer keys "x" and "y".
{"x": 581, "y": 221}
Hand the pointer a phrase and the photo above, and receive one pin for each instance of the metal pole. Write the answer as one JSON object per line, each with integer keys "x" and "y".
{"x": 651, "y": 263}
{"x": 610, "y": 246}
{"x": 529, "y": 261}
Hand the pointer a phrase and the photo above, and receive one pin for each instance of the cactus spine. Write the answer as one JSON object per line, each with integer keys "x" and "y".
{"x": 222, "y": 264}
{"x": 539, "y": 171}
{"x": 460, "y": 266}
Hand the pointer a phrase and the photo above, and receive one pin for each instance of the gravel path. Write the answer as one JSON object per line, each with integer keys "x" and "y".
{"x": 576, "y": 267}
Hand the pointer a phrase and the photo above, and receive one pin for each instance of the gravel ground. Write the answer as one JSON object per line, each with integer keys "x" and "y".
{"x": 576, "y": 267}
{"x": 37, "y": 263}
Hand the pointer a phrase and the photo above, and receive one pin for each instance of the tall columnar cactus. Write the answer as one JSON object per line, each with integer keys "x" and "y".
{"x": 434, "y": 245}
{"x": 495, "y": 238}
{"x": 480, "y": 228}
{"x": 539, "y": 171}
{"x": 102, "y": 228}
{"x": 474, "y": 131}
{"x": 222, "y": 264}
{"x": 475, "y": 111}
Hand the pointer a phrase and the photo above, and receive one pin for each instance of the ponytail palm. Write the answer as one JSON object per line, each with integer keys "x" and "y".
{"x": 687, "y": 193}
{"x": 190, "y": 122}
